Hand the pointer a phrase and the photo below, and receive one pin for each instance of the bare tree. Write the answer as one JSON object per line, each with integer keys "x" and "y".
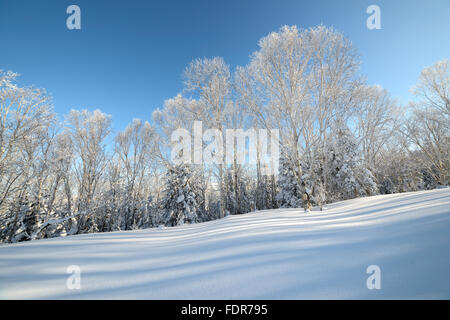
{"x": 88, "y": 133}
{"x": 377, "y": 118}
{"x": 134, "y": 148}
{"x": 433, "y": 87}
{"x": 25, "y": 119}
{"x": 209, "y": 81}
{"x": 429, "y": 126}
{"x": 299, "y": 82}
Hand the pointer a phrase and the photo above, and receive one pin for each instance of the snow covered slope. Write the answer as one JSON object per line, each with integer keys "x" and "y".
{"x": 276, "y": 254}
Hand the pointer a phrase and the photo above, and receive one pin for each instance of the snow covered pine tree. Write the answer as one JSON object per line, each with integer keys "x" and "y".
{"x": 351, "y": 178}
{"x": 289, "y": 194}
{"x": 180, "y": 201}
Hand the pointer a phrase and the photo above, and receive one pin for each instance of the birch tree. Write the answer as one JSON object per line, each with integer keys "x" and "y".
{"x": 299, "y": 82}
{"x": 134, "y": 150}
{"x": 25, "y": 118}
{"x": 209, "y": 80}
{"x": 88, "y": 133}
{"x": 429, "y": 126}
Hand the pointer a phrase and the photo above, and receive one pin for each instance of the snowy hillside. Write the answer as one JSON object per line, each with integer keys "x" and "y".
{"x": 275, "y": 254}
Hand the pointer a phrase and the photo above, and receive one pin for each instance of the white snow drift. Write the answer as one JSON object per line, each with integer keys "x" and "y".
{"x": 274, "y": 254}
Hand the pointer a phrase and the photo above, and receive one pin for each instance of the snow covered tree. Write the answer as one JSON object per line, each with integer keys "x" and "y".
{"x": 26, "y": 122}
{"x": 298, "y": 82}
{"x": 209, "y": 81}
{"x": 88, "y": 133}
{"x": 351, "y": 178}
{"x": 180, "y": 196}
{"x": 429, "y": 127}
{"x": 344, "y": 164}
{"x": 376, "y": 118}
{"x": 239, "y": 199}
{"x": 289, "y": 191}
{"x": 338, "y": 136}
{"x": 134, "y": 148}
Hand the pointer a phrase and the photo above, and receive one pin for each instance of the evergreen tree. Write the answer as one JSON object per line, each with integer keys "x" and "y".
{"x": 180, "y": 196}
{"x": 350, "y": 178}
{"x": 289, "y": 193}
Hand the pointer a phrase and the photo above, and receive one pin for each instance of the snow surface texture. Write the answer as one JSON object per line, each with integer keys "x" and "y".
{"x": 274, "y": 254}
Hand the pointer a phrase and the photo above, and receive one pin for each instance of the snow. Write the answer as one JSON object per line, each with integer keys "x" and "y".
{"x": 273, "y": 254}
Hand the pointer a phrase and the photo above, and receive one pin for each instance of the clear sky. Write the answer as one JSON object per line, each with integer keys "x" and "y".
{"x": 129, "y": 55}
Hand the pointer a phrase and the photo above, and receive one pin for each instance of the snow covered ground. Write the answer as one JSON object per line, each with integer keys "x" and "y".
{"x": 276, "y": 254}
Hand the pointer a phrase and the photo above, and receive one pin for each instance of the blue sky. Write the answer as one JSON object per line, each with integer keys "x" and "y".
{"x": 129, "y": 55}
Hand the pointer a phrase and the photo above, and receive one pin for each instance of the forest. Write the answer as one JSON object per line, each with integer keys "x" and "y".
{"x": 339, "y": 138}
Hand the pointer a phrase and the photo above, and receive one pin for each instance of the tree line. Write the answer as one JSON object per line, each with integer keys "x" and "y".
{"x": 340, "y": 138}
